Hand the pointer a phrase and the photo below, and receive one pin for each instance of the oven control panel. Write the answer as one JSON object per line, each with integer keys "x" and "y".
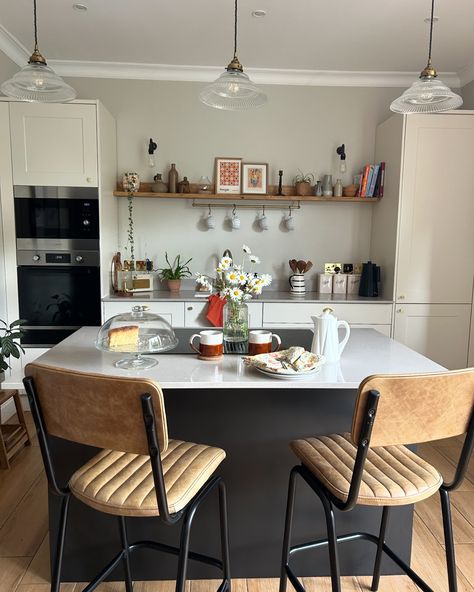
{"x": 56, "y": 258}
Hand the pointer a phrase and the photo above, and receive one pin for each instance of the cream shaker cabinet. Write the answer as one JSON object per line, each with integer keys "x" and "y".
{"x": 422, "y": 231}
{"x": 54, "y": 144}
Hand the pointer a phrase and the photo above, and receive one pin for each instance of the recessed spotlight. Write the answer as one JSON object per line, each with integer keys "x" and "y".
{"x": 428, "y": 19}
{"x": 259, "y": 13}
{"x": 79, "y": 7}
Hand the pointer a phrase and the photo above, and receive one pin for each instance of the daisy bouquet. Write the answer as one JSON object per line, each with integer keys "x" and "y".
{"x": 237, "y": 283}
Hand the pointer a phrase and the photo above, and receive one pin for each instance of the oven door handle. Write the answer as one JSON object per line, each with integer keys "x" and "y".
{"x": 51, "y": 327}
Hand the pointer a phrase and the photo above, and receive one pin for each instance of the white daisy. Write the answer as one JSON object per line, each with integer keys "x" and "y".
{"x": 247, "y": 297}
{"x": 232, "y": 277}
{"x": 242, "y": 278}
{"x": 225, "y": 263}
{"x": 254, "y": 259}
{"x": 257, "y": 289}
{"x": 266, "y": 279}
{"x": 236, "y": 294}
{"x": 246, "y": 249}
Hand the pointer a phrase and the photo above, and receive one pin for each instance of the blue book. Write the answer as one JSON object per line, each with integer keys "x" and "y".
{"x": 373, "y": 180}
{"x": 369, "y": 180}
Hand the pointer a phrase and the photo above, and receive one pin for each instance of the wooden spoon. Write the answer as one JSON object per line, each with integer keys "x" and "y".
{"x": 301, "y": 265}
{"x": 309, "y": 265}
{"x": 293, "y": 263}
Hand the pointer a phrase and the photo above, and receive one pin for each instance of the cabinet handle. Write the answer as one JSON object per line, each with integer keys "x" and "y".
{"x": 190, "y": 308}
{"x": 89, "y": 179}
{"x": 400, "y": 310}
{"x": 401, "y": 297}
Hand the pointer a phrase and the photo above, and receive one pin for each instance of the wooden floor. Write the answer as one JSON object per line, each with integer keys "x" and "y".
{"x": 24, "y": 536}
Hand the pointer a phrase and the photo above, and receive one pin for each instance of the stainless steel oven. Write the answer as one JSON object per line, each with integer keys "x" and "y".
{"x": 58, "y": 263}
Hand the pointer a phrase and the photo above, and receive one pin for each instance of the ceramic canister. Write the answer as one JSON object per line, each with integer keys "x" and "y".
{"x": 325, "y": 283}
{"x": 297, "y": 283}
{"x": 339, "y": 283}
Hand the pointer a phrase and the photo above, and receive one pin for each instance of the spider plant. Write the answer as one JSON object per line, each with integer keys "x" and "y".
{"x": 175, "y": 271}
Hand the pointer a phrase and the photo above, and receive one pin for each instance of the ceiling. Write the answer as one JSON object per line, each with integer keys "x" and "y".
{"x": 327, "y": 38}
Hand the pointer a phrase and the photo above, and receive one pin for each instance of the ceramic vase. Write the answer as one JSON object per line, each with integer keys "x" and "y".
{"x": 173, "y": 179}
{"x": 327, "y": 185}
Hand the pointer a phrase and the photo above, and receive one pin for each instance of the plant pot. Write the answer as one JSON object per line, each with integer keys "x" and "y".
{"x": 174, "y": 285}
{"x": 303, "y": 188}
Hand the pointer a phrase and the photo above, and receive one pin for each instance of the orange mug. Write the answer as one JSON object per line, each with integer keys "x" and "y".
{"x": 211, "y": 343}
{"x": 260, "y": 342}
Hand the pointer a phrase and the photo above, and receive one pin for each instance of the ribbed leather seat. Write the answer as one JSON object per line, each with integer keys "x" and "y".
{"x": 393, "y": 475}
{"x": 122, "y": 483}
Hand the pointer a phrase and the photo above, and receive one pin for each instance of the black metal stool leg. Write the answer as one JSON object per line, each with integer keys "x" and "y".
{"x": 449, "y": 540}
{"x": 58, "y": 559}
{"x": 184, "y": 551}
{"x": 224, "y": 526}
{"x": 332, "y": 546}
{"x": 288, "y": 526}
{"x": 126, "y": 554}
{"x": 378, "y": 557}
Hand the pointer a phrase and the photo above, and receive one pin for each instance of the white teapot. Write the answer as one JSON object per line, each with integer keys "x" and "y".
{"x": 326, "y": 337}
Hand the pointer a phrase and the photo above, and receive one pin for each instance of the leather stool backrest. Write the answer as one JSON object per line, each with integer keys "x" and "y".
{"x": 97, "y": 410}
{"x": 416, "y": 408}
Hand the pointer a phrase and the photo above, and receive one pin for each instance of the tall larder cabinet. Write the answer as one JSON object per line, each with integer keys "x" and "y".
{"x": 422, "y": 231}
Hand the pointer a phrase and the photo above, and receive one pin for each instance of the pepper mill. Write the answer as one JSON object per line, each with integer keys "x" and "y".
{"x": 173, "y": 179}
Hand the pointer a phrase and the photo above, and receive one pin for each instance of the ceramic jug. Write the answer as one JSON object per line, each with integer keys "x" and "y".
{"x": 326, "y": 337}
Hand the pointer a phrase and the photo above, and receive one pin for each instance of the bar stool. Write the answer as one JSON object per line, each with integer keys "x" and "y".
{"x": 372, "y": 467}
{"x": 139, "y": 471}
{"x": 13, "y": 436}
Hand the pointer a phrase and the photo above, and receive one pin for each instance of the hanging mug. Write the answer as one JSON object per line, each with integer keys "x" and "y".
{"x": 297, "y": 283}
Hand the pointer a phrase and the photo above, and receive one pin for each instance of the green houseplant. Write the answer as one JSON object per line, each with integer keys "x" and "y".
{"x": 9, "y": 343}
{"x": 304, "y": 183}
{"x": 175, "y": 272}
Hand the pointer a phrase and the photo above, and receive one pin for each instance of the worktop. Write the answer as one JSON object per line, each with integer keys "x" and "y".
{"x": 266, "y": 296}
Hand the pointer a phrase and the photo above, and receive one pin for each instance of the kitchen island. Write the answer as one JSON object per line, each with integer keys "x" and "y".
{"x": 252, "y": 418}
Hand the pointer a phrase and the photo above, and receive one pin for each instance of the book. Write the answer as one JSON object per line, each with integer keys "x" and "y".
{"x": 373, "y": 180}
{"x": 382, "y": 179}
{"x": 364, "y": 180}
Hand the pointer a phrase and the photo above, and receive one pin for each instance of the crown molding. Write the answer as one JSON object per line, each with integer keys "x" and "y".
{"x": 17, "y": 52}
{"x": 466, "y": 74}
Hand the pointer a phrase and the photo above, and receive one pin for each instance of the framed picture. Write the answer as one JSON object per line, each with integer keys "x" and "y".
{"x": 228, "y": 175}
{"x": 255, "y": 178}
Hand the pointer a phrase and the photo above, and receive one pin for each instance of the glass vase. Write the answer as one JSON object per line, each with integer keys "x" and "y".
{"x": 236, "y": 327}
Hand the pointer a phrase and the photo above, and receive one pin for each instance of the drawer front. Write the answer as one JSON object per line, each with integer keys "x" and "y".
{"x": 173, "y": 312}
{"x": 300, "y": 313}
{"x": 195, "y": 314}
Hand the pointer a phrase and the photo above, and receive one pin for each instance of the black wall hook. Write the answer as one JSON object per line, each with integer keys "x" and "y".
{"x": 152, "y": 146}
{"x": 341, "y": 151}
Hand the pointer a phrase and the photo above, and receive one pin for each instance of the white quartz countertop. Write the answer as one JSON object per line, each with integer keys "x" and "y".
{"x": 367, "y": 352}
{"x": 267, "y": 296}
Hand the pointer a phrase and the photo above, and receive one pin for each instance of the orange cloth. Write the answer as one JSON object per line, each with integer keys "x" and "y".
{"x": 214, "y": 311}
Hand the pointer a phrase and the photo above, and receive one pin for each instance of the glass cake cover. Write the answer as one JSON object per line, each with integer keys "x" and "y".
{"x": 137, "y": 332}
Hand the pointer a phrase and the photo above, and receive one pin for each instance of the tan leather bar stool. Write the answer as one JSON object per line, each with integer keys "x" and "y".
{"x": 371, "y": 466}
{"x": 139, "y": 471}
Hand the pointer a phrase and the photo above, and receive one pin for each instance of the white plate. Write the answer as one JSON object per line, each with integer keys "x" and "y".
{"x": 286, "y": 376}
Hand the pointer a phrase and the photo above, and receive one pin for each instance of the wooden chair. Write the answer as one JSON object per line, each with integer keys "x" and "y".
{"x": 139, "y": 471}
{"x": 13, "y": 436}
{"x": 372, "y": 467}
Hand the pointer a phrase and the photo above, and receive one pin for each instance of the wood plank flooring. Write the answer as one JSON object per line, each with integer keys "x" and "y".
{"x": 24, "y": 551}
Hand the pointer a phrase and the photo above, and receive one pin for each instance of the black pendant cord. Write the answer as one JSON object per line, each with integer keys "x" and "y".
{"x": 35, "y": 25}
{"x": 235, "y": 28}
{"x": 431, "y": 32}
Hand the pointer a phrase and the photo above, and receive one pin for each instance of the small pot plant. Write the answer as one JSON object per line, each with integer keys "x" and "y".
{"x": 9, "y": 343}
{"x": 304, "y": 183}
{"x": 175, "y": 272}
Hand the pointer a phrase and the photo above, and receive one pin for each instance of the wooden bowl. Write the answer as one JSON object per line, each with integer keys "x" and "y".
{"x": 349, "y": 190}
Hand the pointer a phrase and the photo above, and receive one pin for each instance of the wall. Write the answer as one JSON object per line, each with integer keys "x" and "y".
{"x": 7, "y": 68}
{"x": 300, "y": 128}
{"x": 468, "y": 96}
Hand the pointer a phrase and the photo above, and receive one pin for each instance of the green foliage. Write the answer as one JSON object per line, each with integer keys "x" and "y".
{"x": 9, "y": 345}
{"x": 304, "y": 177}
{"x": 175, "y": 271}
{"x": 131, "y": 239}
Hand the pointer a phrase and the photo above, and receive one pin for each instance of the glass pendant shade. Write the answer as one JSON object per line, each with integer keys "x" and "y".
{"x": 37, "y": 82}
{"x": 233, "y": 91}
{"x": 426, "y": 95}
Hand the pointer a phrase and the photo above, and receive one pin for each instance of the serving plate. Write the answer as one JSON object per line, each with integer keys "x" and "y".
{"x": 289, "y": 375}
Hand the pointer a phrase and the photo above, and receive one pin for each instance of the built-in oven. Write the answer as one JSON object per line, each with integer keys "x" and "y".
{"x": 58, "y": 263}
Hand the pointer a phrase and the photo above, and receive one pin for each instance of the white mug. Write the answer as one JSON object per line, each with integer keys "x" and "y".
{"x": 210, "y": 222}
{"x": 235, "y": 222}
{"x": 260, "y": 342}
{"x": 290, "y": 223}
{"x": 211, "y": 343}
{"x": 297, "y": 283}
{"x": 263, "y": 221}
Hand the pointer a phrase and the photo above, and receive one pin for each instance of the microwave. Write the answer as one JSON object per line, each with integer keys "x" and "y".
{"x": 45, "y": 216}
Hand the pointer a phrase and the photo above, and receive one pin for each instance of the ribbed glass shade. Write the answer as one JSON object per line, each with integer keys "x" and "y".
{"x": 39, "y": 84}
{"x": 233, "y": 91}
{"x": 426, "y": 95}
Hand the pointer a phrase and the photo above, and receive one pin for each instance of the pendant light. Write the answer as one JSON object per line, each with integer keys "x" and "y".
{"x": 233, "y": 90}
{"x": 428, "y": 94}
{"x": 36, "y": 82}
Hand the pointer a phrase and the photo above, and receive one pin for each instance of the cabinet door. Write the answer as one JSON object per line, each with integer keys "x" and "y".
{"x": 54, "y": 144}
{"x": 438, "y": 331}
{"x": 173, "y": 312}
{"x": 436, "y": 241}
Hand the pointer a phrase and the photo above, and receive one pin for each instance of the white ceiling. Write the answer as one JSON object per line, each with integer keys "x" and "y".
{"x": 338, "y": 36}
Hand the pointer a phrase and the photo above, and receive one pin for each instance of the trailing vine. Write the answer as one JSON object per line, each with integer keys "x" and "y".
{"x": 131, "y": 240}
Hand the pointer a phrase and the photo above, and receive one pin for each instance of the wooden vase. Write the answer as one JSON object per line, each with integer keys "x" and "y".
{"x": 303, "y": 188}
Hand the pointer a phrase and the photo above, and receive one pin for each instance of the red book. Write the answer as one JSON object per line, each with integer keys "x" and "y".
{"x": 363, "y": 191}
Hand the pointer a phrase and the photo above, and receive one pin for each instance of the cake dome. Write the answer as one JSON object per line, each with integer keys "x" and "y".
{"x": 136, "y": 333}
